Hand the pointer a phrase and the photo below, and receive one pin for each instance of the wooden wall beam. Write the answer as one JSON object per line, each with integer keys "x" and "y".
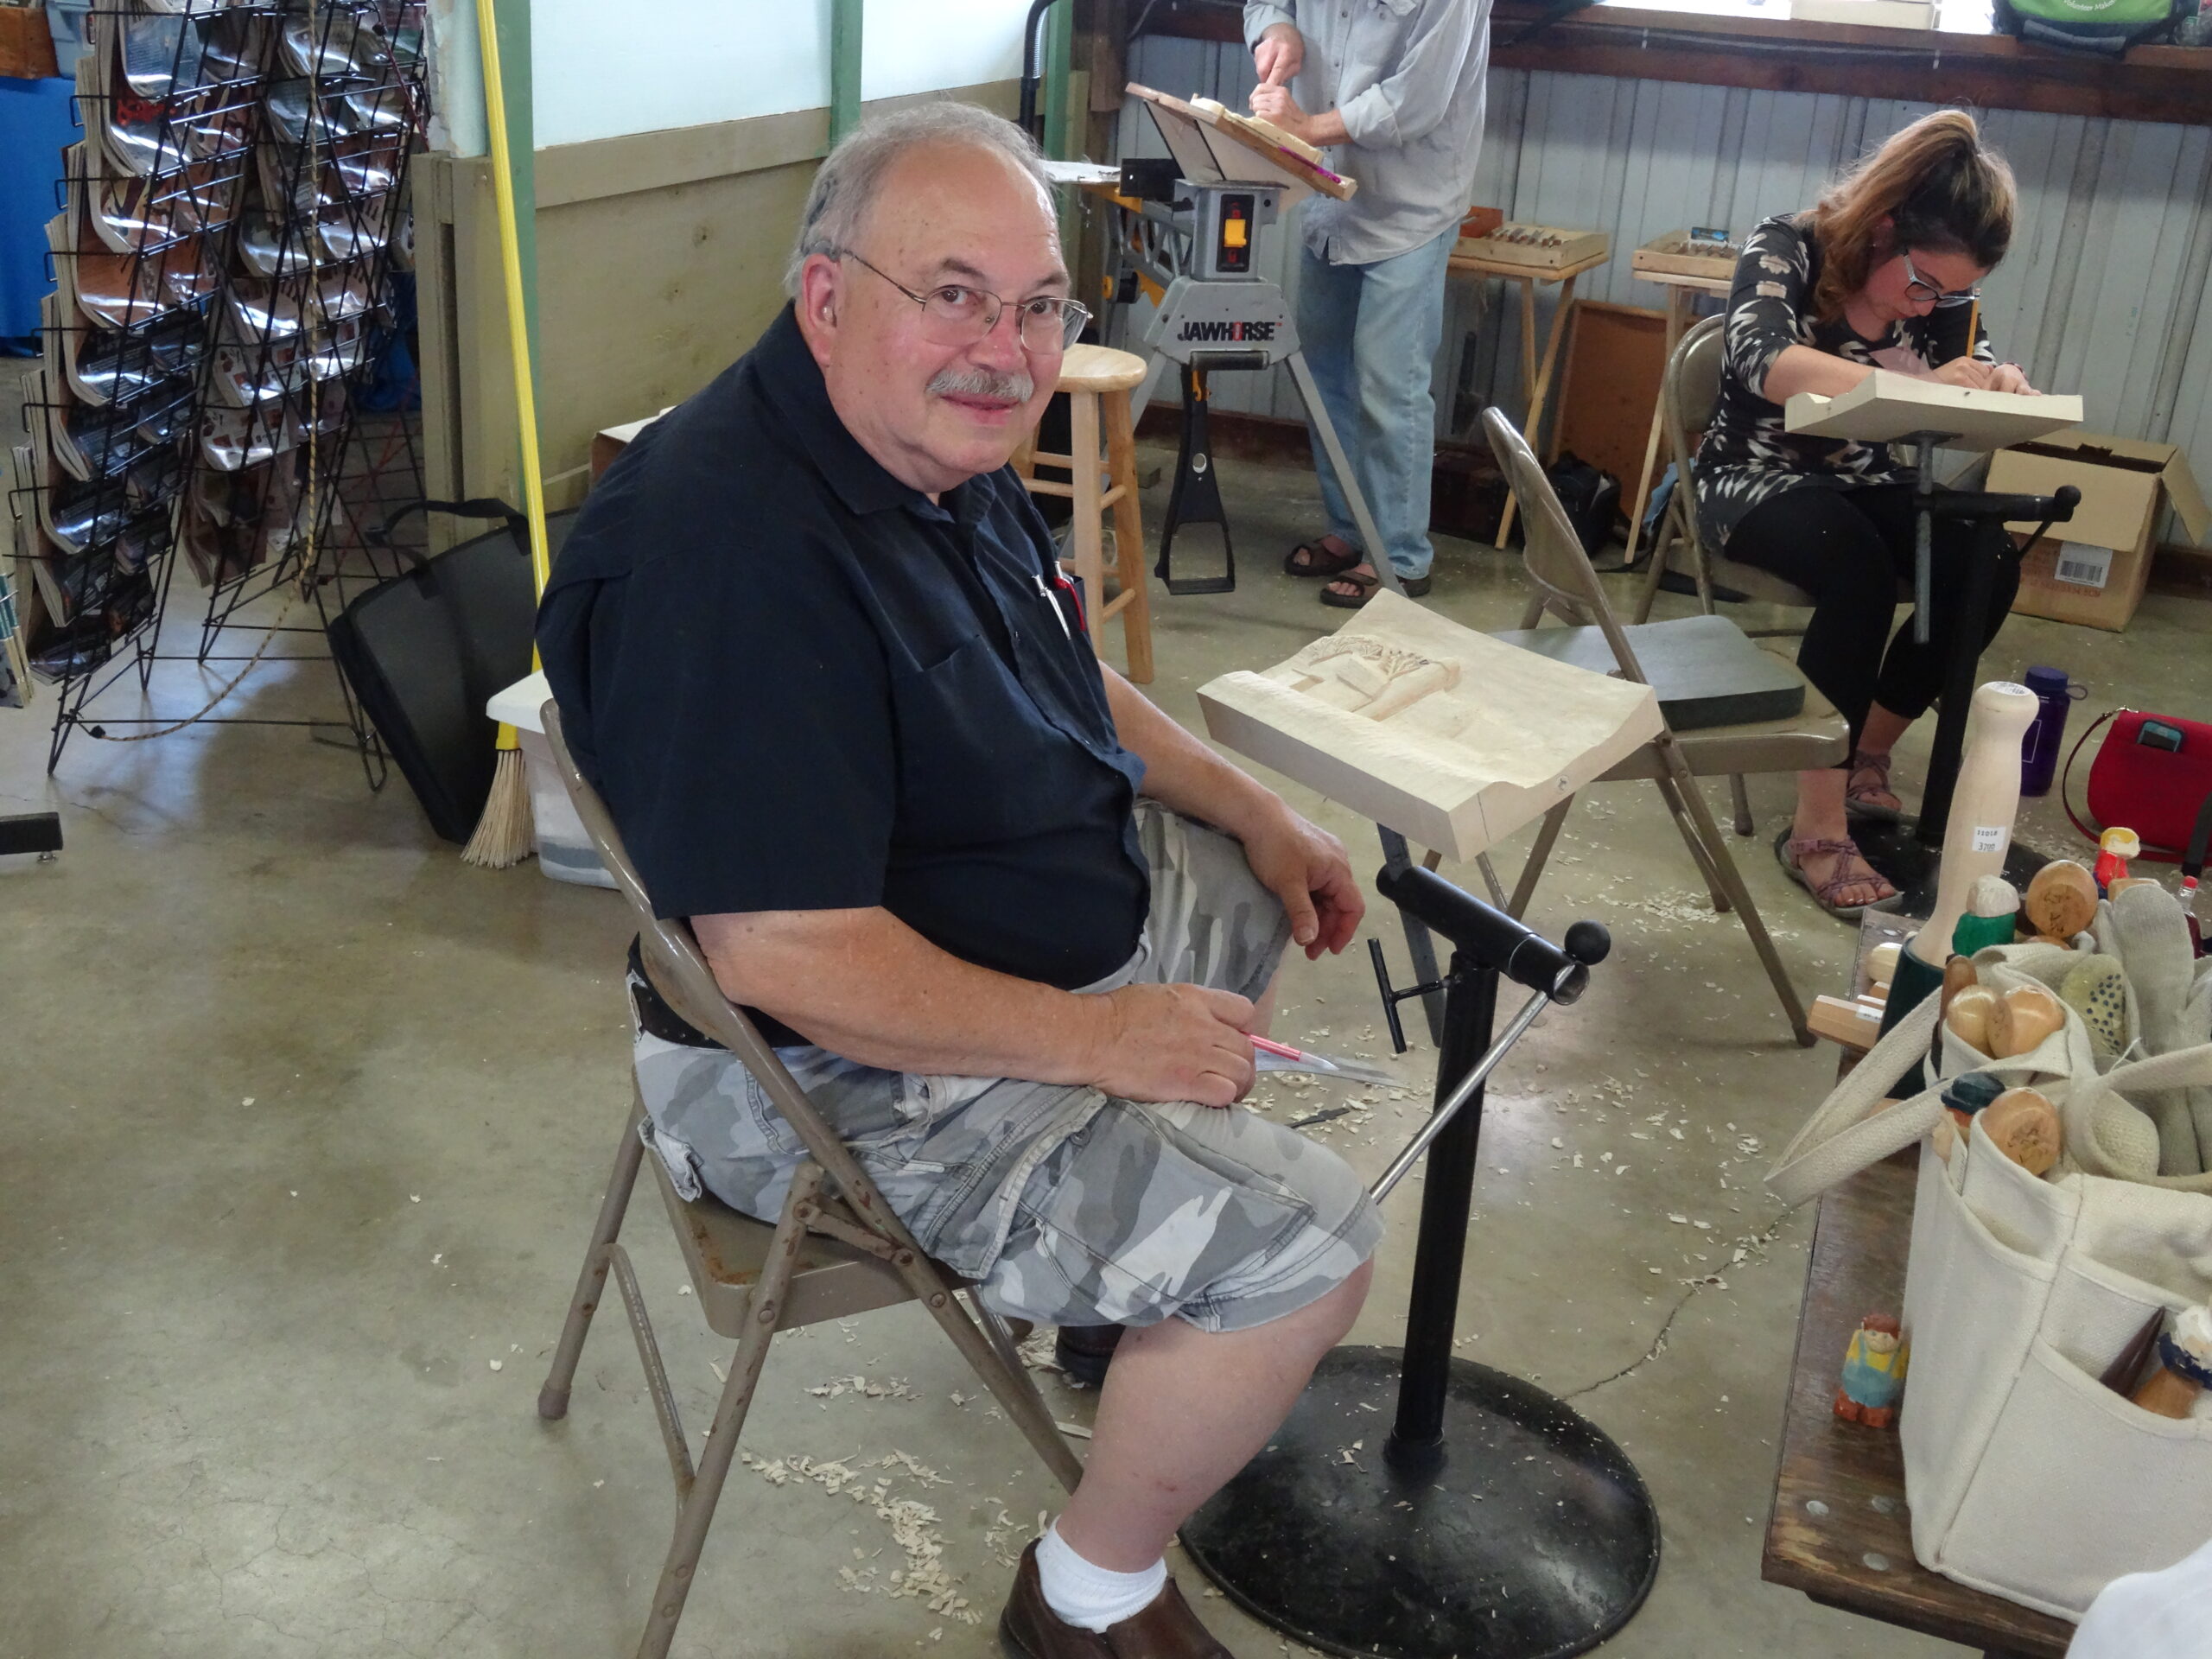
{"x": 2153, "y": 83}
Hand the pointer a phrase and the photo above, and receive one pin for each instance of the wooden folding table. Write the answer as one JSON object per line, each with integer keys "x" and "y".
{"x": 1535, "y": 375}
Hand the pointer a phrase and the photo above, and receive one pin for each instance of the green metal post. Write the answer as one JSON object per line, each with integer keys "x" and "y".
{"x": 511, "y": 24}
{"x": 845, "y": 18}
{"x": 1060, "y": 29}
{"x": 1060, "y": 141}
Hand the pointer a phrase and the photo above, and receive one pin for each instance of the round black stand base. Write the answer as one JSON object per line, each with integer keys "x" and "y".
{"x": 1527, "y": 1535}
{"x": 1912, "y": 869}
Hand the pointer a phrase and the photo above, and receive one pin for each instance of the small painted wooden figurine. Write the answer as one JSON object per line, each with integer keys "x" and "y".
{"x": 1873, "y": 1373}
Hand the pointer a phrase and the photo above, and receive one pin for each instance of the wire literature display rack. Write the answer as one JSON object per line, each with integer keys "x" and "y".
{"x": 232, "y": 248}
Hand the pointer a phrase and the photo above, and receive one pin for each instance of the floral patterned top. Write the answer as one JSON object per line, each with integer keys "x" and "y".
{"x": 1746, "y": 457}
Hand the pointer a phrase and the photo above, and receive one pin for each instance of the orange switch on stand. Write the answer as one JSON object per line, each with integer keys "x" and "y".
{"x": 1232, "y": 232}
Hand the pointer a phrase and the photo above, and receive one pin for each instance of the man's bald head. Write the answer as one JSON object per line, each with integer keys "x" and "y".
{"x": 849, "y": 183}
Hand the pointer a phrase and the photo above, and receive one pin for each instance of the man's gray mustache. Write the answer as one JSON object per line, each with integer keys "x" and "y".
{"x": 983, "y": 383}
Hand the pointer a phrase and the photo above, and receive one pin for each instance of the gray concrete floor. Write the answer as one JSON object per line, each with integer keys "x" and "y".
{"x": 305, "y": 1124}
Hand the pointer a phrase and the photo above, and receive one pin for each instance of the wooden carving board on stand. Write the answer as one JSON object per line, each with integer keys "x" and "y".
{"x": 1451, "y": 738}
{"x": 1886, "y": 407}
{"x": 1213, "y": 144}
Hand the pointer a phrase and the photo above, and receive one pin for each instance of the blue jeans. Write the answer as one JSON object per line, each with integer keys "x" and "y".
{"x": 1370, "y": 334}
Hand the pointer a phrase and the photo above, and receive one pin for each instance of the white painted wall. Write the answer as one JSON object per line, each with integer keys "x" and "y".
{"x": 923, "y": 46}
{"x": 602, "y": 71}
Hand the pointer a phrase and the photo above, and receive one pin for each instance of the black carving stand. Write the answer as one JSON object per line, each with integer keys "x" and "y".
{"x": 1486, "y": 1520}
{"x": 1909, "y": 855}
{"x": 1195, "y": 497}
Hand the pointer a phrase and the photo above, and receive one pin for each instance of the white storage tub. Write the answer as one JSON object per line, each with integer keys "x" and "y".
{"x": 564, "y": 851}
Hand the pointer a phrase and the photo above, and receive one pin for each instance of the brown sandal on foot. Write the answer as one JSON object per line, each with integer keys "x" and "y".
{"x": 1870, "y": 776}
{"x": 1311, "y": 562}
{"x": 1789, "y": 851}
{"x": 1415, "y": 588}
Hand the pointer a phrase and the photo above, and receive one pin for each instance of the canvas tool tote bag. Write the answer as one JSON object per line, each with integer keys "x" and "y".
{"x": 2026, "y": 1477}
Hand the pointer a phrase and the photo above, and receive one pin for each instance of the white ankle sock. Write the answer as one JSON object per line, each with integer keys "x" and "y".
{"x": 1086, "y": 1595}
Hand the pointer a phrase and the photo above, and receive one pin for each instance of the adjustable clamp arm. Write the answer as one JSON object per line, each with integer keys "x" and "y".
{"x": 1493, "y": 942}
{"x": 1985, "y": 506}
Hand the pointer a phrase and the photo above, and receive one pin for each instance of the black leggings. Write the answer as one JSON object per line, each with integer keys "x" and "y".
{"x": 1849, "y": 549}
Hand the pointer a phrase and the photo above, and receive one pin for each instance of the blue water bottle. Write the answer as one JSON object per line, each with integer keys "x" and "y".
{"x": 2039, "y": 745}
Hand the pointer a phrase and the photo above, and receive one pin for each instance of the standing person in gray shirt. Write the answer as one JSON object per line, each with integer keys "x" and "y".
{"x": 1393, "y": 90}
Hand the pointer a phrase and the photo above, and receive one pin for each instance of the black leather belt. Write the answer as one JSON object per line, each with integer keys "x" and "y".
{"x": 655, "y": 1017}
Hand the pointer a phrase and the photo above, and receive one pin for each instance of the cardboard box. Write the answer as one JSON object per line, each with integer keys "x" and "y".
{"x": 611, "y": 440}
{"x": 2093, "y": 570}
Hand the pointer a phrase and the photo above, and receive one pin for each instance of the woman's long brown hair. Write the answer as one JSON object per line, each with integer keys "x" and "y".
{"x": 1942, "y": 187}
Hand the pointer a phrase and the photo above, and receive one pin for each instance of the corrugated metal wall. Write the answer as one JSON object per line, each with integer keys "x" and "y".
{"x": 2105, "y": 292}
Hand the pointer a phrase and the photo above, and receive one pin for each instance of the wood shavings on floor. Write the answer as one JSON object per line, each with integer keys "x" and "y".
{"x": 895, "y": 1388}
{"x": 1005, "y": 1537}
{"x": 915, "y": 1526}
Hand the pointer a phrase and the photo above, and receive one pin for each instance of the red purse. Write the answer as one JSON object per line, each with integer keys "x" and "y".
{"x": 2152, "y": 773}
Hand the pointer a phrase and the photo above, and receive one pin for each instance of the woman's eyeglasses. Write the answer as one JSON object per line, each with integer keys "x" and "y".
{"x": 954, "y": 314}
{"x": 1920, "y": 291}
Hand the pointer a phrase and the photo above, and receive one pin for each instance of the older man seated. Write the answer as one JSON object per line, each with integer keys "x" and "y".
{"x": 1010, "y": 926}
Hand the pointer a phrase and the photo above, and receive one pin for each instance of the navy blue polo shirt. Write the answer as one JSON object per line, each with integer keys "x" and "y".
{"x": 800, "y": 684}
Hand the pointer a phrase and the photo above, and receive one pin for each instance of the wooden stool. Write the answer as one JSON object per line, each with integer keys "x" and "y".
{"x": 1098, "y": 381}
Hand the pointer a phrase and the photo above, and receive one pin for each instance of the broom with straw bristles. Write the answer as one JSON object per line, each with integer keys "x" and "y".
{"x": 503, "y": 834}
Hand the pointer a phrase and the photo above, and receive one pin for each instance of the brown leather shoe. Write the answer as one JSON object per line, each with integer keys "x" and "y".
{"x": 1085, "y": 1352}
{"x": 1166, "y": 1629}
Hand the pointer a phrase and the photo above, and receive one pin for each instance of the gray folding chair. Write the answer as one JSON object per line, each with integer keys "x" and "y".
{"x": 837, "y": 1250}
{"x": 1688, "y": 394}
{"x": 1563, "y": 583}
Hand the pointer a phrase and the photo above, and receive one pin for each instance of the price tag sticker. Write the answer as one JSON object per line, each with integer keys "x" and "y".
{"x": 1989, "y": 838}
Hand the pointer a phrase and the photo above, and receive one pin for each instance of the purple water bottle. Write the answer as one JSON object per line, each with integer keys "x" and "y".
{"x": 2039, "y": 746}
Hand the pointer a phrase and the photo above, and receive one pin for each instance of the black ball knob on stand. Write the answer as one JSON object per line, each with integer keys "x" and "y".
{"x": 1491, "y": 1522}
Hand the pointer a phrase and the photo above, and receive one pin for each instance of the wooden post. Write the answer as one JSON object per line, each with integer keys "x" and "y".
{"x": 1135, "y": 602}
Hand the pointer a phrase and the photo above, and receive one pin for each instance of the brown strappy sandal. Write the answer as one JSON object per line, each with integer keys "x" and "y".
{"x": 1415, "y": 587}
{"x": 1790, "y": 850}
{"x": 1870, "y": 776}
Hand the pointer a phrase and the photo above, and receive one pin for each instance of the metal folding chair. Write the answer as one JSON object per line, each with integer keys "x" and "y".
{"x": 1563, "y": 583}
{"x": 837, "y": 1248}
{"x": 1687, "y": 395}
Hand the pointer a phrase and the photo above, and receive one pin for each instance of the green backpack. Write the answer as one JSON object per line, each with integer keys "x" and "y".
{"x": 2109, "y": 27}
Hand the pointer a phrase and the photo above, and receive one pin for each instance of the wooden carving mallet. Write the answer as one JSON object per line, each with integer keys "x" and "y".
{"x": 1984, "y": 803}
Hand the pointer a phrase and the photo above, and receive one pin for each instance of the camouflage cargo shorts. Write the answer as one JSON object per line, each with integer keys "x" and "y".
{"x": 1067, "y": 1206}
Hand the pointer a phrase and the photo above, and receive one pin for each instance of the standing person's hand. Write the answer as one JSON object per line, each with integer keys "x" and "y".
{"x": 1278, "y": 56}
{"x": 2010, "y": 377}
{"x": 1275, "y": 103}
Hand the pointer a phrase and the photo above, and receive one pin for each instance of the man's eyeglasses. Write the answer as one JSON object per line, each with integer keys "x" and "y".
{"x": 955, "y": 314}
{"x": 1919, "y": 290}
